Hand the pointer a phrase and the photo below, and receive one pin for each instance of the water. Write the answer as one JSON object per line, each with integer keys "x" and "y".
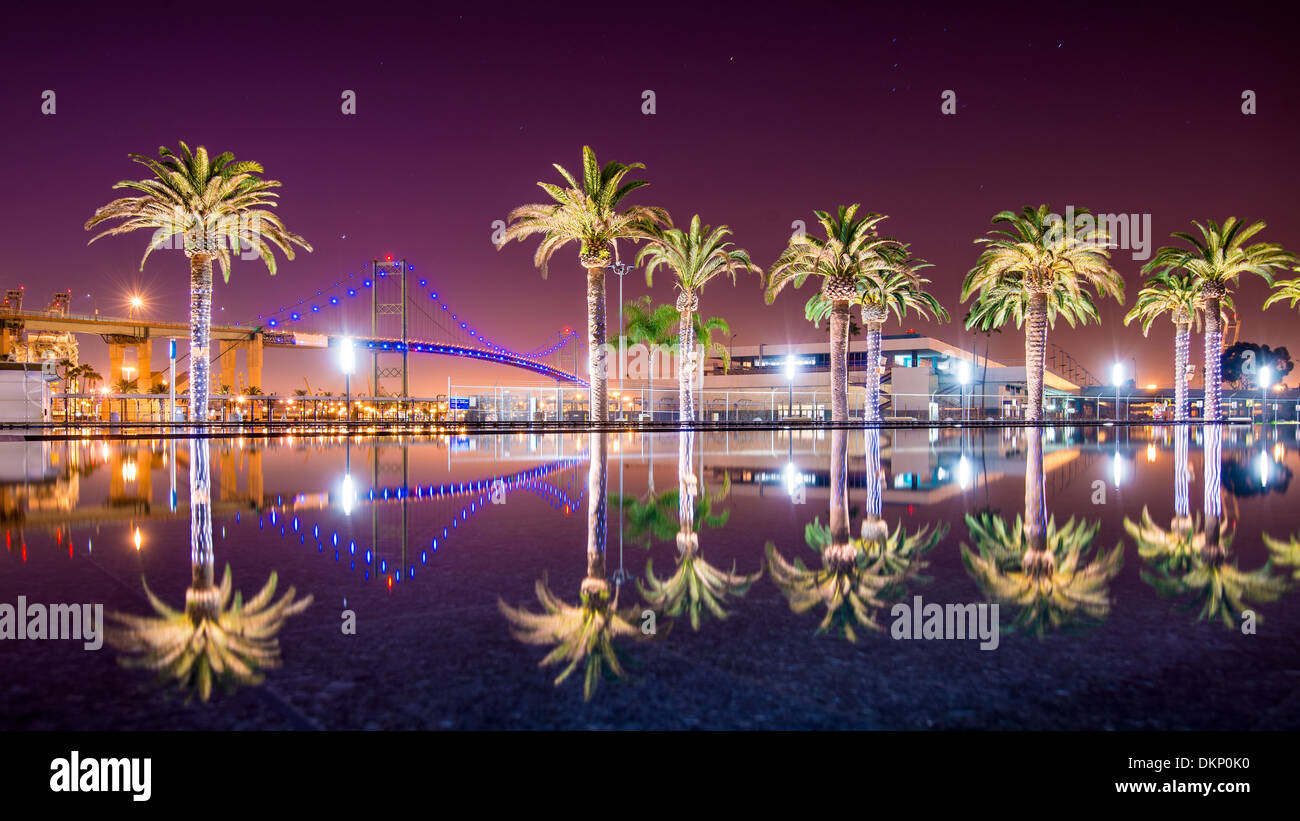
{"x": 1167, "y": 623}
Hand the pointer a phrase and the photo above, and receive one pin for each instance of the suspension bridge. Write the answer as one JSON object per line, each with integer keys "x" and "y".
{"x": 385, "y": 308}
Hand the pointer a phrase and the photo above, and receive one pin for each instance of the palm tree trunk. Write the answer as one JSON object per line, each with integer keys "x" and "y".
{"x": 871, "y": 406}
{"x": 873, "y": 524}
{"x": 840, "y": 362}
{"x": 596, "y": 505}
{"x": 1036, "y": 557}
{"x": 1212, "y": 375}
{"x": 200, "y": 331}
{"x": 840, "y": 552}
{"x": 1182, "y": 478}
{"x": 201, "y": 599}
{"x": 1212, "y": 445}
{"x": 686, "y": 487}
{"x": 1035, "y": 355}
{"x": 685, "y": 371}
{"x": 596, "y": 354}
{"x": 1182, "y": 348}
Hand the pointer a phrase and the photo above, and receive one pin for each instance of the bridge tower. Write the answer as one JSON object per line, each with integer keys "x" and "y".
{"x": 389, "y": 274}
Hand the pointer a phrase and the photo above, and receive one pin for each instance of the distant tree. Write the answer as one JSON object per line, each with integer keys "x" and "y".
{"x": 1242, "y": 362}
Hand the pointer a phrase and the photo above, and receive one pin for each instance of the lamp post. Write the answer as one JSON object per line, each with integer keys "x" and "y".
{"x": 347, "y": 364}
{"x": 1265, "y": 382}
{"x": 622, "y": 269}
{"x": 790, "y": 369}
{"x": 171, "y": 380}
{"x": 1116, "y": 379}
{"x": 963, "y": 377}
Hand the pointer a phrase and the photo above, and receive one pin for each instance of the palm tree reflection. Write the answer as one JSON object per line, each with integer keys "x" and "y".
{"x": 696, "y": 584}
{"x": 1191, "y": 558}
{"x": 858, "y": 577}
{"x": 582, "y": 634}
{"x": 1046, "y": 571}
{"x": 214, "y": 640}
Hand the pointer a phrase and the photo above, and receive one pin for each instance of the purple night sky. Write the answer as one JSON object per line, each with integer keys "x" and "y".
{"x": 762, "y": 116}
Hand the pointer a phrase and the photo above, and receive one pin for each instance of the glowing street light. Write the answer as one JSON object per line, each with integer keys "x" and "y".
{"x": 963, "y": 377}
{"x": 347, "y": 364}
{"x": 1117, "y": 379}
{"x": 791, "y": 369}
{"x": 1265, "y": 381}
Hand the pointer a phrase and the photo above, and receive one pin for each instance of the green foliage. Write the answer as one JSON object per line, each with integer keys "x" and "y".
{"x": 586, "y": 213}
{"x": 212, "y": 641}
{"x": 1067, "y": 586}
{"x": 215, "y": 204}
{"x": 1038, "y": 254}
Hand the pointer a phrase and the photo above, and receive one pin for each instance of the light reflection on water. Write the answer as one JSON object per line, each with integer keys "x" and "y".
{"x": 703, "y": 554}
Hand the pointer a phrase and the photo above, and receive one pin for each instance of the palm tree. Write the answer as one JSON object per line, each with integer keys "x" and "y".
{"x": 588, "y": 214}
{"x": 895, "y": 286}
{"x": 71, "y": 372}
{"x": 216, "y": 205}
{"x": 1031, "y": 272}
{"x": 88, "y": 374}
{"x": 1043, "y": 569}
{"x": 695, "y": 257}
{"x": 1193, "y": 560}
{"x": 213, "y": 639}
{"x": 653, "y": 327}
{"x": 582, "y": 634}
{"x": 852, "y": 249}
{"x": 1180, "y": 297}
{"x": 858, "y": 578}
{"x": 1214, "y": 261}
{"x": 696, "y": 584}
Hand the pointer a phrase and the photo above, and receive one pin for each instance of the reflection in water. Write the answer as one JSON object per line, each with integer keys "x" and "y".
{"x": 858, "y": 577}
{"x": 214, "y": 640}
{"x": 1189, "y": 560}
{"x": 584, "y": 633}
{"x": 1045, "y": 571}
{"x": 695, "y": 584}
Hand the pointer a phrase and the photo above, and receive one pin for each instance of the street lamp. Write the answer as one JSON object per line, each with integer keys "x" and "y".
{"x": 1117, "y": 379}
{"x": 963, "y": 377}
{"x": 791, "y": 368}
{"x": 1265, "y": 382}
{"x": 622, "y": 269}
{"x": 348, "y": 364}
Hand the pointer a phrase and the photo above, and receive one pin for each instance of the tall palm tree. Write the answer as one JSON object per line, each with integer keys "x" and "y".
{"x": 1043, "y": 569}
{"x": 1194, "y": 560}
{"x": 653, "y": 327}
{"x": 852, "y": 248}
{"x": 1033, "y": 271}
{"x": 695, "y": 585}
{"x": 1215, "y": 260}
{"x": 895, "y": 286}
{"x": 695, "y": 257}
{"x": 213, "y": 640}
{"x": 858, "y": 577}
{"x": 583, "y": 634}
{"x": 1180, "y": 297}
{"x": 217, "y": 205}
{"x": 588, "y": 213}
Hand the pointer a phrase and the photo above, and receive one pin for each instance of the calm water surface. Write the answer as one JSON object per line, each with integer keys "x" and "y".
{"x": 1144, "y": 579}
